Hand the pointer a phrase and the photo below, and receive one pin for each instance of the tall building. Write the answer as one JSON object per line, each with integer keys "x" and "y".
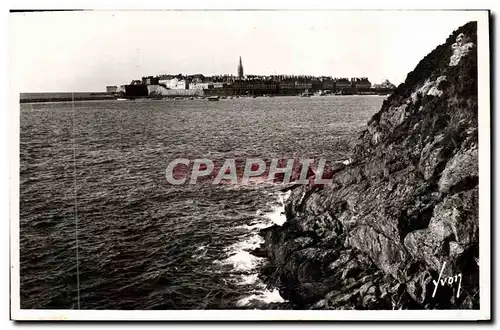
{"x": 240, "y": 70}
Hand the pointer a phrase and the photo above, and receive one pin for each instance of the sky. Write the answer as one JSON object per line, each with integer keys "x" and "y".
{"x": 85, "y": 51}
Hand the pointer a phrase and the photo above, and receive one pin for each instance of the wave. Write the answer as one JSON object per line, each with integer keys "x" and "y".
{"x": 265, "y": 297}
{"x": 245, "y": 264}
{"x": 277, "y": 215}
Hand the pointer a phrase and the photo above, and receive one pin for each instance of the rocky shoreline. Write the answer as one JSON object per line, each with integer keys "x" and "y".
{"x": 403, "y": 212}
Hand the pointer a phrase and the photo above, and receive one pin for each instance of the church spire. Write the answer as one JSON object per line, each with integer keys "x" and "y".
{"x": 240, "y": 70}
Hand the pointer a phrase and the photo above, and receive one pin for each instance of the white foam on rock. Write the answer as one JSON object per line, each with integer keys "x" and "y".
{"x": 346, "y": 162}
{"x": 257, "y": 225}
{"x": 249, "y": 279}
{"x": 240, "y": 258}
{"x": 285, "y": 196}
{"x": 239, "y": 254}
{"x": 263, "y": 297}
{"x": 277, "y": 215}
{"x": 243, "y": 261}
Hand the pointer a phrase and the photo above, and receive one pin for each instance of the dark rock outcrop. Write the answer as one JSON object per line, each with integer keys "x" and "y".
{"x": 406, "y": 205}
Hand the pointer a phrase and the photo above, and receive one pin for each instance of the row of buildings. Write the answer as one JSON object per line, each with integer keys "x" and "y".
{"x": 250, "y": 84}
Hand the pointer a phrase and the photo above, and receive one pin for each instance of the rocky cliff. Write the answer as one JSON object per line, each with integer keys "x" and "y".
{"x": 405, "y": 209}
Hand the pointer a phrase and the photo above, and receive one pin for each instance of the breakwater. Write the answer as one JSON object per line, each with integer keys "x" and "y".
{"x": 63, "y": 96}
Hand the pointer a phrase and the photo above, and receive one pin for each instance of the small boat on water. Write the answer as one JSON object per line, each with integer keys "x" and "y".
{"x": 213, "y": 98}
{"x": 306, "y": 94}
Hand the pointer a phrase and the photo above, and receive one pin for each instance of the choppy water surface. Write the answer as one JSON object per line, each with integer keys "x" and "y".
{"x": 143, "y": 243}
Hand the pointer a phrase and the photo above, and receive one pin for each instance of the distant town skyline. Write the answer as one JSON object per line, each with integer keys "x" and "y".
{"x": 85, "y": 51}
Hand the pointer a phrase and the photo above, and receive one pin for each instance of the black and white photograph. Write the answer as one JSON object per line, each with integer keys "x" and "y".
{"x": 250, "y": 164}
